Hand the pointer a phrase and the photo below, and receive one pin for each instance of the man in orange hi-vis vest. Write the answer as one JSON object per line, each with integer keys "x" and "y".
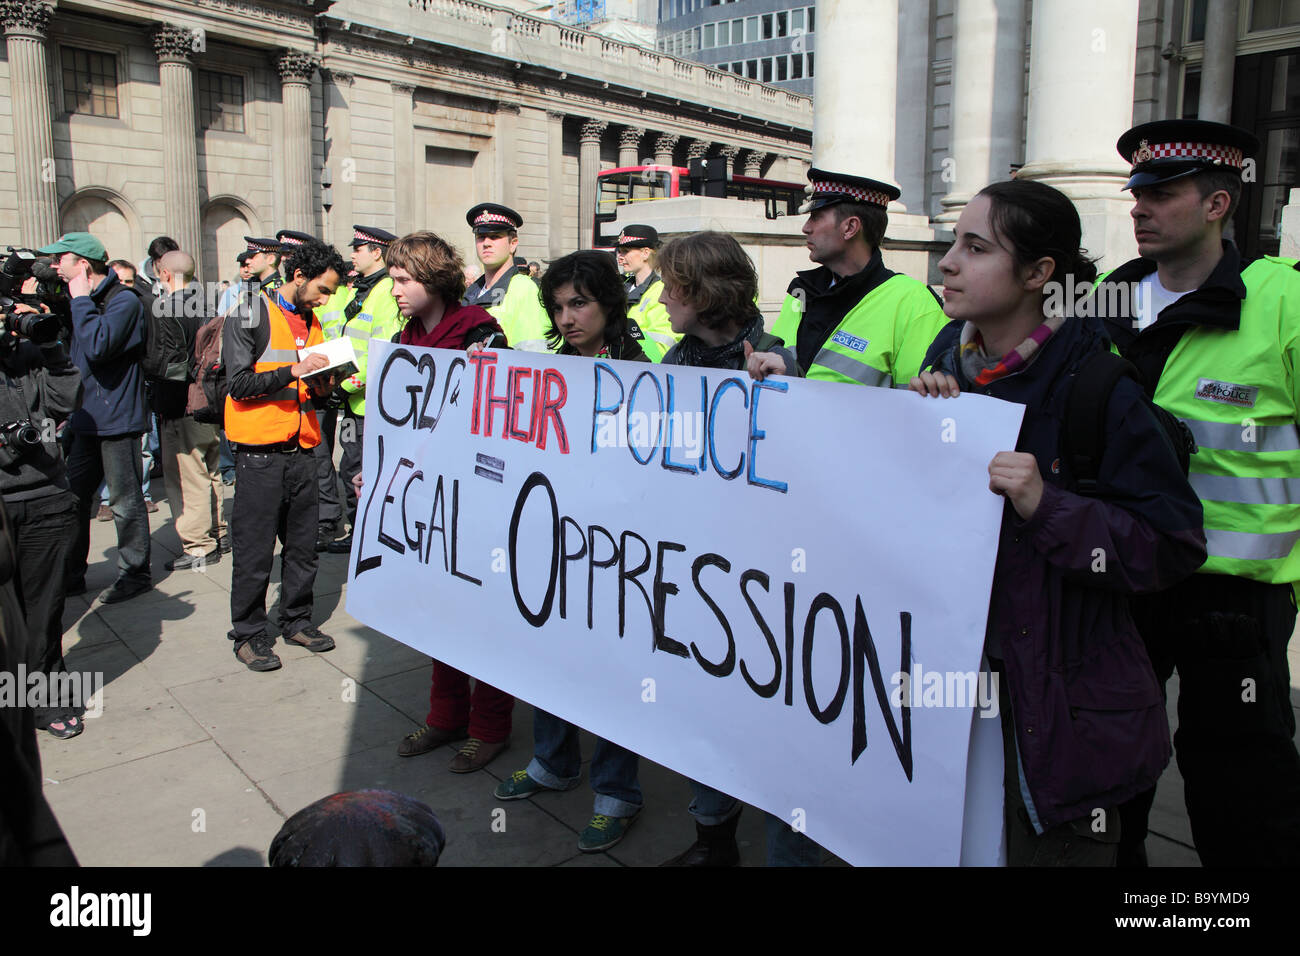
{"x": 271, "y": 424}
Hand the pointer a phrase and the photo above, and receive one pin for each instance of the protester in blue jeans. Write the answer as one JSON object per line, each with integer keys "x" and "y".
{"x": 587, "y": 302}
{"x": 710, "y": 287}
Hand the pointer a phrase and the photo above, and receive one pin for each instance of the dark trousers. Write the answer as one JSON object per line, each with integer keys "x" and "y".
{"x": 43, "y": 530}
{"x": 331, "y": 510}
{"x": 275, "y": 496}
{"x": 1235, "y": 745}
{"x": 115, "y": 460}
{"x": 350, "y": 437}
{"x": 1091, "y": 840}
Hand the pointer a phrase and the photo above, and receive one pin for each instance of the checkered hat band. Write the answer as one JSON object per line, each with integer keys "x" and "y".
{"x": 625, "y": 239}
{"x": 290, "y": 241}
{"x": 865, "y": 195}
{"x": 259, "y": 247}
{"x": 493, "y": 218}
{"x": 360, "y": 236}
{"x": 1228, "y": 155}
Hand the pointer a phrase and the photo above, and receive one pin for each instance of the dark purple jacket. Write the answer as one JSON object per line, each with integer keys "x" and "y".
{"x": 1089, "y": 715}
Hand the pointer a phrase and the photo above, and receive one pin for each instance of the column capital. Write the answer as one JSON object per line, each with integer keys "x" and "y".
{"x": 296, "y": 66}
{"x": 666, "y": 142}
{"x": 173, "y": 44}
{"x": 503, "y": 107}
{"x": 556, "y": 115}
{"x": 25, "y": 17}
{"x": 630, "y": 137}
{"x": 729, "y": 152}
{"x": 339, "y": 77}
{"x": 400, "y": 87}
{"x": 592, "y": 130}
{"x": 697, "y": 149}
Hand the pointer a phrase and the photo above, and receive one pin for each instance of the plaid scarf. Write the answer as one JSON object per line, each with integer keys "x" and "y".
{"x": 981, "y": 368}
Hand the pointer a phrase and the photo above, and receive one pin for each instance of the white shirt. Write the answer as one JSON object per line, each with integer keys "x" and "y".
{"x": 1152, "y": 299}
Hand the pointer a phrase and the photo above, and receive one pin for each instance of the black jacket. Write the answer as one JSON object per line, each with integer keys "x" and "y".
{"x": 38, "y": 384}
{"x": 243, "y": 339}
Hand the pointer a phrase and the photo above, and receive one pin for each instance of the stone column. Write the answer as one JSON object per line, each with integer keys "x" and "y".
{"x": 753, "y": 164}
{"x": 1219, "y": 62}
{"x": 555, "y": 209}
{"x": 729, "y": 154}
{"x": 1071, "y": 137}
{"x": 406, "y": 212}
{"x": 696, "y": 149}
{"x": 588, "y": 167}
{"x": 912, "y": 115}
{"x": 852, "y": 132}
{"x": 25, "y": 23}
{"x": 173, "y": 45}
{"x": 665, "y": 143}
{"x": 629, "y": 146}
{"x": 296, "y": 69}
{"x": 988, "y": 91}
{"x": 506, "y": 154}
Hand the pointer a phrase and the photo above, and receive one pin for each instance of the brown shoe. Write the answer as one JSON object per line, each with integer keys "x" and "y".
{"x": 105, "y": 513}
{"x": 476, "y": 754}
{"x": 429, "y": 738}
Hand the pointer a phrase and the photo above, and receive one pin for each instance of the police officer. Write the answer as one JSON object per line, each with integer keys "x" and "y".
{"x": 364, "y": 309}
{"x": 271, "y": 422}
{"x": 264, "y": 264}
{"x": 504, "y": 289}
{"x": 635, "y": 251}
{"x": 853, "y": 320}
{"x": 1218, "y": 347}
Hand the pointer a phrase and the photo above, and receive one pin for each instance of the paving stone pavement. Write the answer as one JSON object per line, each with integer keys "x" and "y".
{"x": 197, "y": 761}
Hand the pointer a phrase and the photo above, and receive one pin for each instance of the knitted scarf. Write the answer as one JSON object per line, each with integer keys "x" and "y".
{"x": 981, "y": 368}
{"x": 693, "y": 351}
{"x": 451, "y": 330}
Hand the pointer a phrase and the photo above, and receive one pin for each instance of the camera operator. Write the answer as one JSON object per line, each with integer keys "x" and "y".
{"x": 42, "y": 387}
{"x": 107, "y": 343}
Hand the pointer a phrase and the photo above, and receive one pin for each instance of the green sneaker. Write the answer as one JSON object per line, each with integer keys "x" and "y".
{"x": 518, "y": 786}
{"x": 603, "y": 832}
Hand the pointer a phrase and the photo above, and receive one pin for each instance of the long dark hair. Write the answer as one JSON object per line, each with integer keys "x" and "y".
{"x": 594, "y": 275}
{"x": 1033, "y": 220}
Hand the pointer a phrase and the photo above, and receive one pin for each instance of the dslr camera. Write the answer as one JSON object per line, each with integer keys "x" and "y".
{"x": 36, "y": 326}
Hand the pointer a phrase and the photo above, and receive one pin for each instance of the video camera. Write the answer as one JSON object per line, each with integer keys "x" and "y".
{"x": 20, "y": 265}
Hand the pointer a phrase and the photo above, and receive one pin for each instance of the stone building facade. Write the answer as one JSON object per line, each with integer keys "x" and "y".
{"x": 209, "y": 120}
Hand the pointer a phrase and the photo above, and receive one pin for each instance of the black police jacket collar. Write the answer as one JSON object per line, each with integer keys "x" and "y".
{"x": 635, "y": 292}
{"x": 1216, "y": 303}
{"x": 475, "y": 294}
{"x": 850, "y": 288}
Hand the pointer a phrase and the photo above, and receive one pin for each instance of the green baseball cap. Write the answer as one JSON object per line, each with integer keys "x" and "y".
{"x": 79, "y": 244}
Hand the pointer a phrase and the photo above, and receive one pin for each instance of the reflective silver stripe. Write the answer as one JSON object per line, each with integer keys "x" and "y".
{"x": 1232, "y": 436}
{"x": 1250, "y": 491}
{"x": 857, "y": 370}
{"x": 351, "y": 331}
{"x": 1250, "y": 547}
{"x": 667, "y": 341}
{"x": 279, "y": 355}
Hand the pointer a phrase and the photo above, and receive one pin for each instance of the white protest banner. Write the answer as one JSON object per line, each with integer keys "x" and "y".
{"x": 727, "y": 577}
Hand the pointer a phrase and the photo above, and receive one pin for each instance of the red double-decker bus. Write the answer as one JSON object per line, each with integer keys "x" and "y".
{"x": 637, "y": 184}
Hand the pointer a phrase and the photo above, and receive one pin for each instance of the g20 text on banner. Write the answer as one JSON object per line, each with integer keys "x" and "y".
{"x": 722, "y": 575}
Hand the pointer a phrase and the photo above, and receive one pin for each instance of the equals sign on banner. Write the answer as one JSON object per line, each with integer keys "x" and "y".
{"x": 489, "y": 467}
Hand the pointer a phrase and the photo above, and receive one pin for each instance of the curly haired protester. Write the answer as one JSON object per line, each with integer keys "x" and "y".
{"x": 428, "y": 283}
{"x": 1083, "y": 719}
{"x": 585, "y": 298}
{"x": 272, "y": 426}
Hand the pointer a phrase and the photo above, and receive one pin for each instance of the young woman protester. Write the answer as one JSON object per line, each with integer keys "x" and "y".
{"x": 584, "y": 296}
{"x": 1083, "y": 719}
{"x": 710, "y": 286}
{"x": 428, "y": 283}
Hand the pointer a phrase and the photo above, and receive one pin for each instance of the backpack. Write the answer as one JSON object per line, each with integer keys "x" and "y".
{"x": 166, "y": 350}
{"x": 1084, "y": 433}
{"x": 206, "y": 401}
